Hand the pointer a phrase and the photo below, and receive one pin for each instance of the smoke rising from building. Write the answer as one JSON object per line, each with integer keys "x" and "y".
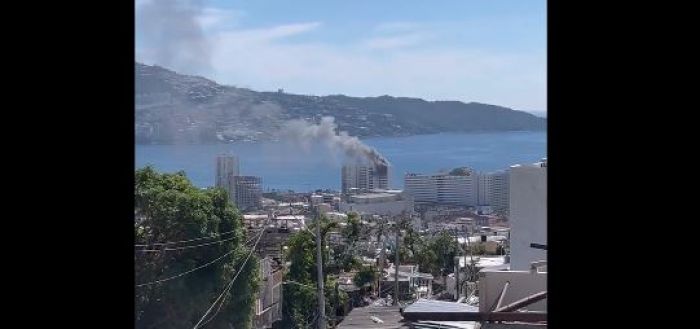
{"x": 326, "y": 132}
{"x": 174, "y": 34}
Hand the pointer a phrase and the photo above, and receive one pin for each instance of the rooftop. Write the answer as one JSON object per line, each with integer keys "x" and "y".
{"x": 291, "y": 217}
{"x": 254, "y": 216}
{"x": 487, "y": 262}
{"x": 374, "y": 317}
{"x": 392, "y": 191}
{"x": 429, "y": 305}
{"x": 477, "y": 239}
{"x": 334, "y": 213}
{"x": 373, "y": 195}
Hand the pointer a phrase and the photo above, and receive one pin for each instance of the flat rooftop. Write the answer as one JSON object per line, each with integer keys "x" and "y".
{"x": 373, "y": 195}
{"x": 361, "y": 317}
{"x": 291, "y": 217}
{"x": 432, "y": 306}
{"x": 254, "y": 216}
{"x": 486, "y": 261}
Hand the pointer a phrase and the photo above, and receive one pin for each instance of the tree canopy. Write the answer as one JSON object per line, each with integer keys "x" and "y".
{"x": 300, "y": 300}
{"x": 168, "y": 208}
{"x": 365, "y": 275}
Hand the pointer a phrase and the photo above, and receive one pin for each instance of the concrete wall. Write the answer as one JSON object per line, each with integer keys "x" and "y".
{"x": 528, "y": 214}
{"x": 522, "y": 284}
{"x": 268, "y": 306}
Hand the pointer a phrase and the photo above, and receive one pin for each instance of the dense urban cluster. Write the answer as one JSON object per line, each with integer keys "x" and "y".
{"x": 459, "y": 242}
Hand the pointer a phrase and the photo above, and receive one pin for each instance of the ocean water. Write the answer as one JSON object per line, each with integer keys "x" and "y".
{"x": 310, "y": 167}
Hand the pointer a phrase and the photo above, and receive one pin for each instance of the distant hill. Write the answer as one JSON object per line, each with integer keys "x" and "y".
{"x": 540, "y": 114}
{"x": 175, "y": 108}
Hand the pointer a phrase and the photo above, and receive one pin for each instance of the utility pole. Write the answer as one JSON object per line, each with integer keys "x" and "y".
{"x": 396, "y": 261}
{"x": 382, "y": 257}
{"x": 457, "y": 286}
{"x": 336, "y": 304}
{"x": 469, "y": 266}
{"x": 380, "y": 266}
{"x": 319, "y": 265}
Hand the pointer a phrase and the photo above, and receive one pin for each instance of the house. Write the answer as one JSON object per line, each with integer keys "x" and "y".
{"x": 412, "y": 283}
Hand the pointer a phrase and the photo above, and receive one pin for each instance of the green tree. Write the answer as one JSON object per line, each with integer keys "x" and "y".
{"x": 169, "y": 208}
{"x": 366, "y": 275}
{"x": 352, "y": 231}
{"x": 412, "y": 243}
{"x": 427, "y": 261}
{"x": 404, "y": 254}
{"x": 300, "y": 302}
{"x": 346, "y": 254}
{"x": 477, "y": 248}
{"x": 434, "y": 255}
{"x": 445, "y": 248}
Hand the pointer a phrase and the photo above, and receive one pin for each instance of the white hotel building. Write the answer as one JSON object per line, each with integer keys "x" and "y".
{"x": 443, "y": 188}
{"x": 470, "y": 189}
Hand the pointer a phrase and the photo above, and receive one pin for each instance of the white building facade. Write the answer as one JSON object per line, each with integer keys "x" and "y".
{"x": 248, "y": 192}
{"x": 528, "y": 214}
{"x": 499, "y": 191}
{"x": 363, "y": 178}
{"x": 484, "y": 189}
{"x": 226, "y": 169}
{"x": 443, "y": 188}
{"x": 385, "y": 204}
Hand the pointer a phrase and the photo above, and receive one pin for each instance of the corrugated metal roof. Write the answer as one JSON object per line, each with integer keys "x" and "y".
{"x": 428, "y": 305}
{"x": 444, "y": 325}
{"x": 362, "y": 317}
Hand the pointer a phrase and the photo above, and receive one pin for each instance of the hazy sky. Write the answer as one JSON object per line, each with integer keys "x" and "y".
{"x": 490, "y": 51}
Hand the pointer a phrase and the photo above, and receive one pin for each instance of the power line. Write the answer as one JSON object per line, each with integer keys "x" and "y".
{"x": 186, "y": 272}
{"x": 192, "y": 270}
{"x": 187, "y": 247}
{"x": 213, "y": 316}
{"x": 230, "y": 283}
{"x": 222, "y": 303}
{"x": 183, "y": 241}
{"x": 248, "y": 241}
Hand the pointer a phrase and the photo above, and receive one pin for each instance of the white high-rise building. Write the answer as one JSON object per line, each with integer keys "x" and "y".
{"x": 484, "y": 189}
{"x": 226, "y": 170}
{"x": 499, "y": 191}
{"x": 453, "y": 189}
{"x": 528, "y": 214}
{"x": 363, "y": 178}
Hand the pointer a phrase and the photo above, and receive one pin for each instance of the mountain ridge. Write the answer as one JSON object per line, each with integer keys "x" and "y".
{"x": 175, "y": 108}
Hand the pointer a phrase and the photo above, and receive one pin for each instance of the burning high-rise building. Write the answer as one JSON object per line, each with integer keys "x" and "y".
{"x": 364, "y": 177}
{"x": 369, "y": 172}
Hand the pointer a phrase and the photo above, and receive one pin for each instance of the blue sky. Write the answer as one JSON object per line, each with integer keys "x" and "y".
{"x": 490, "y": 51}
